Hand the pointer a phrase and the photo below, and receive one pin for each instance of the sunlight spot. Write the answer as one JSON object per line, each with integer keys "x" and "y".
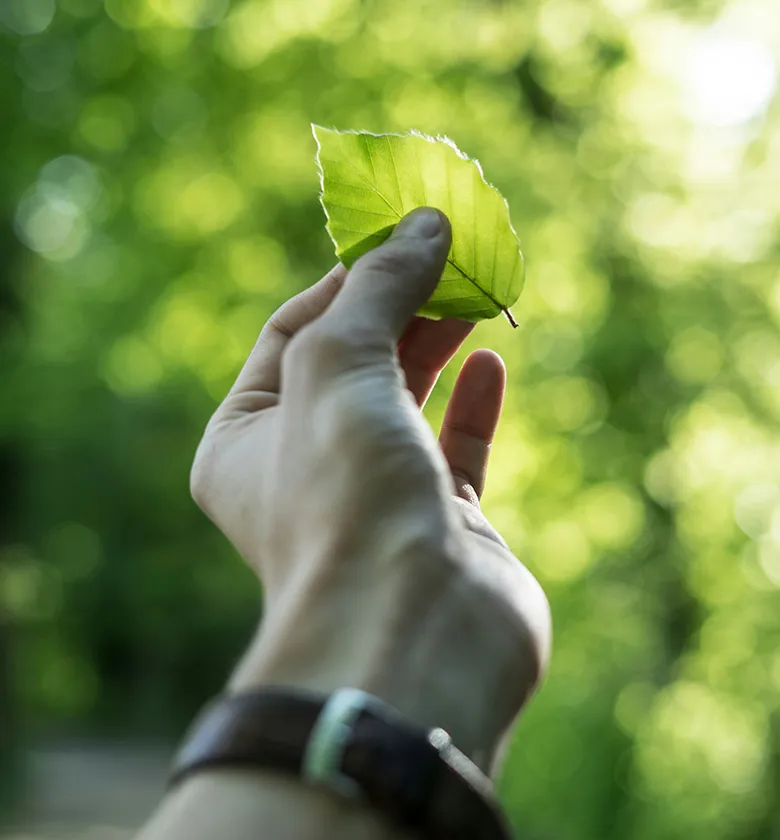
{"x": 728, "y": 80}
{"x": 564, "y": 552}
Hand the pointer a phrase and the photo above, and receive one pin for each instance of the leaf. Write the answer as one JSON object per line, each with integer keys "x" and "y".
{"x": 370, "y": 181}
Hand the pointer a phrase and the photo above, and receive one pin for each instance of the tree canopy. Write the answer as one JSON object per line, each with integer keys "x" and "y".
{"x": 158, "y": 199}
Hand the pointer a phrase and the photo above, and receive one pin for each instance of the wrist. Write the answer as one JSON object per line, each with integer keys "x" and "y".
{"x": 406, "y": 658}
{"x": 462, "y": 715}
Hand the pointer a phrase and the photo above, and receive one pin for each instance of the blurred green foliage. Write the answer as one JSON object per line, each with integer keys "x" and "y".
{"x": 158, "y": 198}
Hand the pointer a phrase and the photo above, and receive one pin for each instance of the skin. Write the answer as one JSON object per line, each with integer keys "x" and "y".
{"x": 379, "y": 569}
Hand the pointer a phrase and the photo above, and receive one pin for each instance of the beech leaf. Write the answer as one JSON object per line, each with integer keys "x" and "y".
{"x": 370, "y": 181}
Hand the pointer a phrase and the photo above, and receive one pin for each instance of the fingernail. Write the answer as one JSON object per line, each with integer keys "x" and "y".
{"x": 422, "y": 223}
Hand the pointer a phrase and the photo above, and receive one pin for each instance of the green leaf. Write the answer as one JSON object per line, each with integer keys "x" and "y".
{"x": 370, "y": 181}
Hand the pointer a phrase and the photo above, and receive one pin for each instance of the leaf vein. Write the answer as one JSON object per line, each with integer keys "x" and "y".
{"x": 420, "y": 174}
{"x": 370, "y": 157}
{"x": 395, "y": 172}
{"x": 372, "y": 187}
{"x": 361, "y": 210}
{"x": 495, "y": 246}
{"x": 449, "y": 198}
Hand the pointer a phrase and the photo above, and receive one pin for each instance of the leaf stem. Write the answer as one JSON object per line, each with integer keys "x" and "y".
{"x": 510, "y": 318}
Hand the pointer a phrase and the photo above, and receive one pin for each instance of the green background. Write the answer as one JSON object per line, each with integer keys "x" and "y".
{"x": 158, "y": 199}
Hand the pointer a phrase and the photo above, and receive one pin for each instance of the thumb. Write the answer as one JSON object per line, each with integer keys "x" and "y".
{"x": 389, "y": 284}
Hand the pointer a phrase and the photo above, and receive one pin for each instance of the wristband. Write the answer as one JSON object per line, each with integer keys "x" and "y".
{"x": 356, "y": 745}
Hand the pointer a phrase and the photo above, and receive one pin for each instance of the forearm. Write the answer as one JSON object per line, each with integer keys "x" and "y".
{"x": 253, "y": 805}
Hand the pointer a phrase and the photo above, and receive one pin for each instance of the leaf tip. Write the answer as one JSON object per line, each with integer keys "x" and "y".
{"x": 317, "y": 132}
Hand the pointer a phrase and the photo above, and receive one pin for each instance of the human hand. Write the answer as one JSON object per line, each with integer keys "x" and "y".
{"x": 380, "y": 571}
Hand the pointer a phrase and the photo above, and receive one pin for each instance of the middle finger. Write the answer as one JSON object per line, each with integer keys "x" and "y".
{"x": 424, "y": 350}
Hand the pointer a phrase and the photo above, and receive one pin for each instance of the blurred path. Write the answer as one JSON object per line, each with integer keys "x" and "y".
{"x": 90, "y": 791}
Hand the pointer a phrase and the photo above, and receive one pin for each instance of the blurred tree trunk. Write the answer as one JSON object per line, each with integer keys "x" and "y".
{"x": 678, "y": 619}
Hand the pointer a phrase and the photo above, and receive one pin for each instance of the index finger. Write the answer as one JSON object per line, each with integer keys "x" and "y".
{"x": 261, "y": 372}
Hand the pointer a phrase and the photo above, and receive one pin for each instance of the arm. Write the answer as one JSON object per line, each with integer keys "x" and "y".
{"x": 380, "y": 571}
{"x": 253, "y": 806}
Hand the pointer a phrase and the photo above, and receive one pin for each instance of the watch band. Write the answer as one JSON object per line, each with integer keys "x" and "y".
{"x": 357, "y": 745}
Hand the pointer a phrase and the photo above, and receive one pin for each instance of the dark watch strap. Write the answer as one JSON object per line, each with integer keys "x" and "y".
{"x": 415, "y": 777}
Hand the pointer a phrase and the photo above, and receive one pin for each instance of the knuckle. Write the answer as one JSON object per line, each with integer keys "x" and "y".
{"x": 418, "y": 474}
{"x": 315, "y": 349}
{"x": 514, "y": 620}
{"x": 322, "y": 348}
{"x": 531, "y": 633}
{"x": 401, "y": 468}
{"x": 202, "y": 474}
{"x": 302, "y": 346}
{"x": 367, "y": 413}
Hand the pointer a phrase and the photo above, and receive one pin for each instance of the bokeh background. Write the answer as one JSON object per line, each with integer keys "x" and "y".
{"x": 158, "y": 199}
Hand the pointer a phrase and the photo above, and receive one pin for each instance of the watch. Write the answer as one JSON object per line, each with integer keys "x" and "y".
{"x": 358, "y": 746}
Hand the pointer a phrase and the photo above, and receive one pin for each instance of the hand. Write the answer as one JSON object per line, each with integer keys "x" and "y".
{"x": 380, "y": 571}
